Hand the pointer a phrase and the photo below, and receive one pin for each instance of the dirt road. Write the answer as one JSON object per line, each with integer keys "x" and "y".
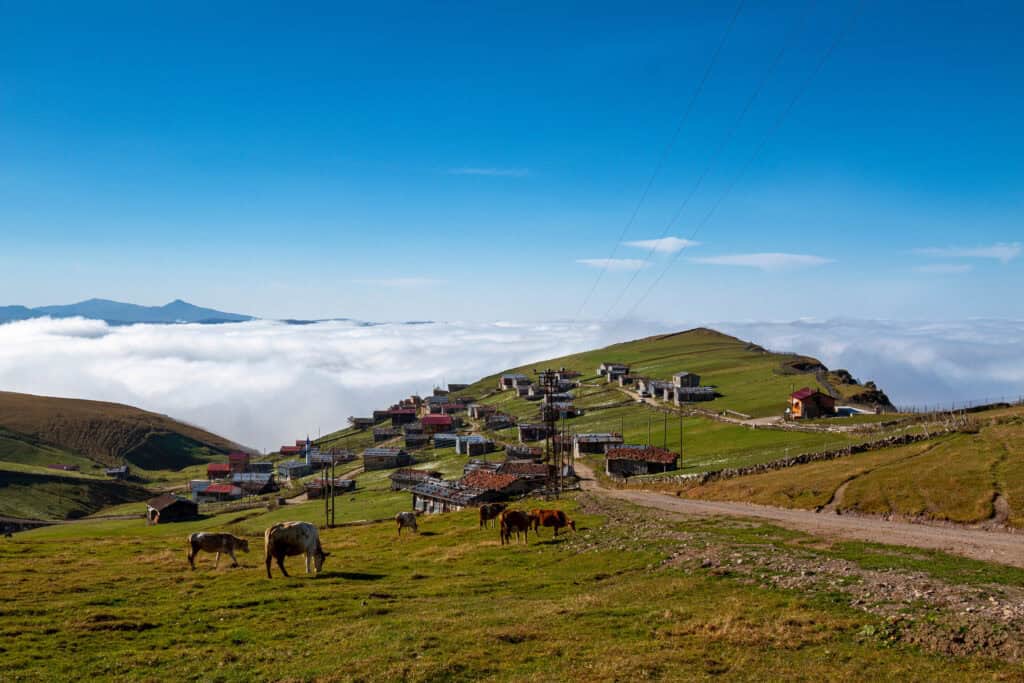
{"x": 991, "y": 546}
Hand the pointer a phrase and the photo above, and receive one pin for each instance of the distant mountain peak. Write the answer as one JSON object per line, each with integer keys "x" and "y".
{"x": 120, "y": 313}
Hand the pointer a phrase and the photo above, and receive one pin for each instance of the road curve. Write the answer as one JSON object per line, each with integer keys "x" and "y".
{"x": 978, "y": 544}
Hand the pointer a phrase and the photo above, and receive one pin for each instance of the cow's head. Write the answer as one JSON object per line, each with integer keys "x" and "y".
{"x": 319, "y": 558}
{"x": 572, "y": 525}
{"x": 243, "y": 545}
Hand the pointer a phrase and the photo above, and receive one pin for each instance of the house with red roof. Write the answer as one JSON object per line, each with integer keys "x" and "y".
{"x": 433, "y": 424}
{"x": 218, "y": 470}
{"x": 219, "y": 492}
{"x": 807, "y": 404}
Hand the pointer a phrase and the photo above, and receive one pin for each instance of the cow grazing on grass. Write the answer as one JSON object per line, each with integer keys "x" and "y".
{"x": 215, "y": 543}
{"x": 489, "y": 511}
{"x": 406, "y": 519}
{"x": 515, "y": 521}
{"x": 552, "y": 518}
{"x": 293, "y": 538}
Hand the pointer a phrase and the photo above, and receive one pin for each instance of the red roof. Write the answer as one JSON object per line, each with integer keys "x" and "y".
{"x": 650, "y": 454}
{"x": 402, "y": 411}
{"x": 806, "y": 393}
{"x": 437, "y": 420}
{"x": 233, "y": 457}
{"x": 291, "y": 450}
{"x": 218, "y": 467}
{"x": 219, "y": 488}
{"x": 488, "y": 481}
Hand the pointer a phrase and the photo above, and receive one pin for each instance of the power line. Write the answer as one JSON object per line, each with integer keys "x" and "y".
{"x": 757, "y": 151}
{"x": 723, "y": 144}
{"x": 665, "y": 152}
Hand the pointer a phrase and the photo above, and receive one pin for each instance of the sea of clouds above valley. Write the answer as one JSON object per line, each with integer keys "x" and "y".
{"x": 264, "y": 383}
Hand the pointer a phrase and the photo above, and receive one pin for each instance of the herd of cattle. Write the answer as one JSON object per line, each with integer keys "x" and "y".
{"x": 302, "y": 538}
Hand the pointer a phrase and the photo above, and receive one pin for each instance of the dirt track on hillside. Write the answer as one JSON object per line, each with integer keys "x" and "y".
{"x": 979, "y": 544}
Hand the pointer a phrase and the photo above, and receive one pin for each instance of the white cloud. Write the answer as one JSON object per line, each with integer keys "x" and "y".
{"x": 264, "y": 383}
{"x": 764, "y": 261}
{"x": 667, "y": 245}
{"x": 401, "y": 282}
{"x": 502, "y": 172}
{"x": 620, "y": 264}
{"x": 945, "y": 268}
{"x": 1004, "y": 252}
{"x": 915, "y": 363}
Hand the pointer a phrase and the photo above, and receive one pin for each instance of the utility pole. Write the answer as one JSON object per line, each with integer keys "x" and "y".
{"x": 549, "y": 414}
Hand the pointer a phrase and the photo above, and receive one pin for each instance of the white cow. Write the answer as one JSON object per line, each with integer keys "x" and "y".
{"x": 406, "y": 519}
{"x": 293, "y": 538}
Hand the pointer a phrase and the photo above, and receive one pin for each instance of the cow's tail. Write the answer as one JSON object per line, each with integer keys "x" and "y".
{"x": 266, "y": 548}
{"x": 188, "y": 549}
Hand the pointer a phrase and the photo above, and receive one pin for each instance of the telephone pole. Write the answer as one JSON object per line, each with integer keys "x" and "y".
{"x": 548, "y": 380}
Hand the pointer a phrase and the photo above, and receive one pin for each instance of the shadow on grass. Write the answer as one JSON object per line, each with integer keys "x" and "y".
{"x": 428, "y": 533}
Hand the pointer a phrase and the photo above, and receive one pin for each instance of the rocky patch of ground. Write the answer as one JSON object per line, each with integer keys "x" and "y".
{"x": 910, "y": 606}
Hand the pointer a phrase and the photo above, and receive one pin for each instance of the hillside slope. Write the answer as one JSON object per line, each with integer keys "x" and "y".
{"x": 749, "y": 379}
{"x": 107, "y": 433}
{"x": 976, "y": 476}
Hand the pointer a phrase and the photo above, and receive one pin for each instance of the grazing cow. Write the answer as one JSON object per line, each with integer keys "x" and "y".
{"x": 515, "y": 521}
{"x": 215, "y": 543}
{"x": 489, "y": 511}
{"x": 406, "y": 519}
{"x": 552, "y": 518}
{"x": 293, "y": 538}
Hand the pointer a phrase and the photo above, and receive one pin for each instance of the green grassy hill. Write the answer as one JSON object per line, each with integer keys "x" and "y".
{"x": 37, "y": 431}
{"x": 965, "y": 477}
{"x": 108, "y": 432}
{"x": 750, "y": 380}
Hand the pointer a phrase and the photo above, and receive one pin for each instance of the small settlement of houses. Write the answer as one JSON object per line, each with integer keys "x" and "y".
{"x": 444, "y": 420}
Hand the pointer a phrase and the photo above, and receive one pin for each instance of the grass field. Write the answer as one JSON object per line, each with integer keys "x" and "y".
{"x": 954, "y": 478}
{"x": 31, "y": 492}
{"x": 450, "y": 603}
{"x": 707, "y": 445}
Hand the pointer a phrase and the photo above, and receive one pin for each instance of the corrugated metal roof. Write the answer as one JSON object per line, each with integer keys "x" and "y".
{"x": 650, "y": 454}
{"x": 487, "y": 481}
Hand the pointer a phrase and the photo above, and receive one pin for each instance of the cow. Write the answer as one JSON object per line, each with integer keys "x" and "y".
{"x": 489, "y": 511}
{"x": 293, "y": 538}
{"x": 515, "y": 521}
{"x": 215, "y": 543}
{"x": 552, "y": 518}
{"x": 406, "y": 519}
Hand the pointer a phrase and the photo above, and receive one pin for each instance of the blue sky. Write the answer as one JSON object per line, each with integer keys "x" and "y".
{"x": 460, "y": 161}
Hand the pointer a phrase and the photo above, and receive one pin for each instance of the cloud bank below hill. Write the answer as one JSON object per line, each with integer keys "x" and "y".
{"x": 264, "y": 383}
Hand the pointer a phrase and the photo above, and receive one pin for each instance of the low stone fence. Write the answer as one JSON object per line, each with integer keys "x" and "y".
{"x": 803, "y": 459}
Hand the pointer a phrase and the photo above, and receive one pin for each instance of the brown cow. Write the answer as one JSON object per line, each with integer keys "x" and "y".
{"x": 215, "y": 543}
{"x": 293, "y": 538}
{"x": 552, "y": 518}
{"x": 517, "y": 521}
{"x": 489, "y": 511}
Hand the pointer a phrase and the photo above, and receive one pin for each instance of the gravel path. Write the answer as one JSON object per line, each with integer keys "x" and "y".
{"x": 979, "y": 544}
